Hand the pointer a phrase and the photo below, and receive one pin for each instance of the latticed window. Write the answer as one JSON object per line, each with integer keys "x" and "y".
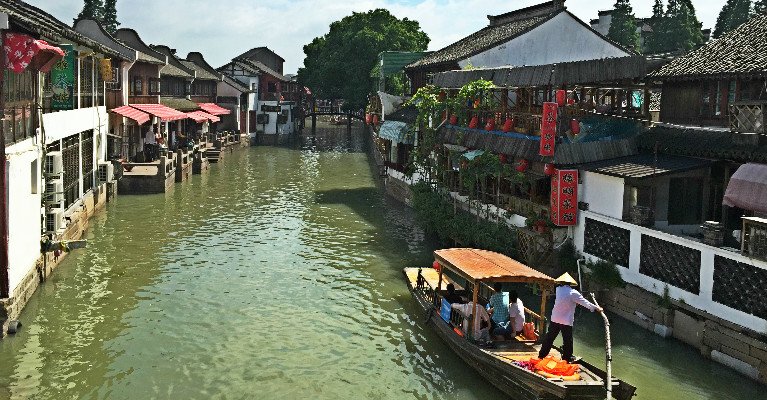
{"x": 70, "y": 153}
{"x": 87, "y": 151}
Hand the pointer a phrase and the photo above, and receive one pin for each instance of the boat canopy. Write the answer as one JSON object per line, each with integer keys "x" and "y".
{"x": 484, "y": 265}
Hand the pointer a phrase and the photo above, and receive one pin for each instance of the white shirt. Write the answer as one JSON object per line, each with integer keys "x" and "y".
{"x": 517, "y": 315}
{"x": 149, "y": 137}
{"x": 564, "y": 305}
{"x": 465, "y": 310}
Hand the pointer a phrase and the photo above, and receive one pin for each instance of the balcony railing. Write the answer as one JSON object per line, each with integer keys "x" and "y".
{"x": 754, "y": 243}
{"x": 18, "y": 123}
{"x": 748, "y": 117}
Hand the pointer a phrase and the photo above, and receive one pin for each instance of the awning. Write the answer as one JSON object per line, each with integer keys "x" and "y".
{"x": 395, "y": 131}
{"x": 129, "y": 112}
{"x": 215, "y": 109}
{"x": 476, "y": 264}
{"x": 201, "y": 116}
{"x": 645, "y": 165}
{"x": 22, "y": 51}
{"x": 748, "y": 188}
{"x": 160, "y": 111}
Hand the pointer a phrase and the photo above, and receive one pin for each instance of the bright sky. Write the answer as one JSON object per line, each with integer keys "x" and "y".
{"x": 222, "y": 29}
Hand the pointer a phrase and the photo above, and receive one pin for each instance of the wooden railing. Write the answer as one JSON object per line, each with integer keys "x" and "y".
{"x": 748, "y": 117}
{"x": 754, "y": 243}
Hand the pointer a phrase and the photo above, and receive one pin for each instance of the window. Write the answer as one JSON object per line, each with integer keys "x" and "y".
{"x": 137, "y": 88}
{"x": 154, "y": 86}
{"x": 731, "y": 92}
{"x": 272, "y": 87}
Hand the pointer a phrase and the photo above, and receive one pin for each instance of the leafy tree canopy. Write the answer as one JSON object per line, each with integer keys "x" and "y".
{"x": 91, "y": 10}
{"x": 338, "y": 65}
{"x": 734, "y": 13}
{"x": 760, "y": 7}
{"x": 678, "y": 29}
{"x": 623, "y": 27}
{"x": 103, "y": 11}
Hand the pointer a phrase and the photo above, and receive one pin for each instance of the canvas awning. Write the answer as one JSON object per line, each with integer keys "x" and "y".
{"x": 395, "y": 131}
{"x": 476, "y": 264}
{"x": 129, "y": 112}
{"x": 165, "y": 114}
{"x": 23, "y": 50}
{"x": 748, "y": 188}
{"x": 202, "y": 116}
{"x": 214, "y": 109}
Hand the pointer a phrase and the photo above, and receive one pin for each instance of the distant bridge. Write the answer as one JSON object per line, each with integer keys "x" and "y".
{"x": 332, "y": 110}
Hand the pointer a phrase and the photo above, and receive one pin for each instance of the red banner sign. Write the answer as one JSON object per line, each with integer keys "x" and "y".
{"x": 564, "y": 197}
{"x": 548, "y": 129}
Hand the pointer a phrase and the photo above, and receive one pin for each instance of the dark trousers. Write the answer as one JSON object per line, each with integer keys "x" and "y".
{"x": 567, "y": 338}
{"x": 149, "y": 153}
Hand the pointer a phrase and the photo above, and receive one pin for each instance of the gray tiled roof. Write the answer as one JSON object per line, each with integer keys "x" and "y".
{"x": 261, "y": 67}
{"x": 645, "y": 165}
{"x": 701, "y": 143}
{"x": 38, "y": 21}
{"x": 201, "y": 72}
{"x": 484, "y": 39}
{"x": 742, "y": 51}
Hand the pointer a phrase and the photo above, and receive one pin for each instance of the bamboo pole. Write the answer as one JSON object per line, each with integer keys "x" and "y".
{"x": 608, "y": 354}
{"x": 542, "y": 321}
{"x": 473, "y": 322}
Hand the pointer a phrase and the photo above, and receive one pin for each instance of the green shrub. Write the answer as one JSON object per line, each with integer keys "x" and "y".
{"x": 606, "y": 274}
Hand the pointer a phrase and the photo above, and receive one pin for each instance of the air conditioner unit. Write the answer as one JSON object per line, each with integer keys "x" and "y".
{"x": 54, "y": 163}
{"x": 54, "y": 191}
{"x": 106, "y": 171}
{"x": 54, "y": 220}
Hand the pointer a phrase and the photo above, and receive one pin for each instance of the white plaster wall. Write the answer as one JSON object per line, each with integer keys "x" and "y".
{"x": 603, "y": 193}
{"x": 559, "y": 39}
{"x": 24, "y": 217}
{"x": 59, "y": 125}
{"x": 703, "y": 300}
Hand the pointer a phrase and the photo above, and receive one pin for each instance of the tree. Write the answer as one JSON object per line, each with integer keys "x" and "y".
{"x": 760, "y": 7}
{"x": 338, "y": 64}
{"x": 623, "y": 27}
{"x": 91, "y": 10}
{"x": 109, "y": 16}
{"x": 654, "y": 42}
{"x": 734, "y": 13}
{"x": 678, "y": 29}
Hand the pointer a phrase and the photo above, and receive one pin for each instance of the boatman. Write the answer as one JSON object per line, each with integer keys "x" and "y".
{"x": 563, "y": 315}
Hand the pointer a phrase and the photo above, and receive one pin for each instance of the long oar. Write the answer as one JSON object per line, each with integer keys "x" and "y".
{"x": 608, "y": 353}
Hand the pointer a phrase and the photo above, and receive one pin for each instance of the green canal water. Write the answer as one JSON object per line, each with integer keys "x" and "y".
{"x": 277, "y": 275}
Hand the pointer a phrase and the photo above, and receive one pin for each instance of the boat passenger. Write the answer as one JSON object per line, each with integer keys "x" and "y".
{"x": 481, "y": 330}
{"x": 563, "y": 316}
{"x": 452, "y": 296}
{"x": 499, "y": 310}
{"x": 516, "y": 313}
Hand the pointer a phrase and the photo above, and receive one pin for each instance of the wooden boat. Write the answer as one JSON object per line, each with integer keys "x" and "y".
{"x": 496, "y": 362}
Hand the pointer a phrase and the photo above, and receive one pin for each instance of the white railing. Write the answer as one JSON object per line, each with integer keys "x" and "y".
{"x": 703, "y": 299}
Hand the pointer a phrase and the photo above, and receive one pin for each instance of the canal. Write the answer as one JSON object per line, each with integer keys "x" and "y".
{"x": 276, "y": 276}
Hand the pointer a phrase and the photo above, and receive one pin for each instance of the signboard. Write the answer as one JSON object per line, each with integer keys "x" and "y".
{"x": 63, "y": 80}
{"x": 548, "y": 129}
{"x": 564, "y": 197}
{"x": 444, "y": 310}
{"x": 267, "y": 108}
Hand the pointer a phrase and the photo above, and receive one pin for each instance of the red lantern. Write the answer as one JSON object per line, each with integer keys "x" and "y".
{"x": 375, "y": 119}
{"x": 522, "y": 165}
{"x": 436, "y": 265}
{"x": 502, "y": 158}
{"x": 561, "y": 97}
{"x": 441, "y": 96}
{"x": 453, "y": 119}
{"x": 474, "y": 122}
{"x": 549, "y": 169}
{"x": 490, "y": 125}
{"x": 368, "y": 118}
{"x": 575, "y": 127}
{"x": 508, "y": 125}
{"x": 570, "y": 101}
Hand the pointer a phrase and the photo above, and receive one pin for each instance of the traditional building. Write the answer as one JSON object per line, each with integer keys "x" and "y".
{"x": 541, "y": 34}
{"x": 230, "y": 94}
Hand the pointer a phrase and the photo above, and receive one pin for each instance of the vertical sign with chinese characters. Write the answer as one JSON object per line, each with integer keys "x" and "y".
{"x": 548, "y": 129}
{"x": 564, "y": 197}
{"x": 63, "y": 80}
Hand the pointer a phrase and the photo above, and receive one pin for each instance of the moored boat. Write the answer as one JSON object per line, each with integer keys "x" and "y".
{"x": 511, "y": 365}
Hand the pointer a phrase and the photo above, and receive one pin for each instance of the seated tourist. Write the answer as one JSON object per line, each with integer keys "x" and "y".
{"x": 499, "y": 310}
{"x": 451, "y": 296}
{"x": 481, "y": 331}
{"x": 516, "y": 313}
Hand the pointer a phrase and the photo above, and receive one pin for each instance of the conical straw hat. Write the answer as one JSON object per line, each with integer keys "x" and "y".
{"x": 567, "y": 280}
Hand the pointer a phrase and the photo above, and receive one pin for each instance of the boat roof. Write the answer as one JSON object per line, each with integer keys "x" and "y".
{"x": 485, "y": 265}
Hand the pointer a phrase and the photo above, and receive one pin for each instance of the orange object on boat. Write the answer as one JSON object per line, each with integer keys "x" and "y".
{"x": 550, "y": 365}
{"x": 458, "y": 331}
{"x": 528, "y": 331}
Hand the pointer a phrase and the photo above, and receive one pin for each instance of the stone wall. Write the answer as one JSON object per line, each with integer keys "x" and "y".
{"x": 735, "y": 346}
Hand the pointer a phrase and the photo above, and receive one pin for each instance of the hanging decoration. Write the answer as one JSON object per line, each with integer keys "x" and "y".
{"x": 63, "y": 80}
{"x": 375, "y": 119}
{"x": 436, "y": 265}
{"x": 502, "y": 158}
{"x": 561, "y": 97}
{"x": 575, "y": 126}
{"x": 105, "y": 69}
{"x": 548, "y": 129}
{"x": 549, "y": 169}
{"x": 474, "y": 122}
{"x": 22, "y": 51}
{"x": 368, "y": 119}
{"x": 508, "y": 125}
{"x": 522, "y": 165}
{"x": 490, "y": 125}
{"x": 453, "y": 119}
{"x": 564, "y": 197}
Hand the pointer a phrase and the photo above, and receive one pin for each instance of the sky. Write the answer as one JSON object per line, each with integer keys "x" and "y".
{"x": 223, "y": 29}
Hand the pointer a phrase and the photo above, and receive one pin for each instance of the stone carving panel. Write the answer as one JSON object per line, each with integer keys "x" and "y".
{"x": 607, "y": 242}
{"x": 740, "y": 286}
{"x": 671, "y": 263}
